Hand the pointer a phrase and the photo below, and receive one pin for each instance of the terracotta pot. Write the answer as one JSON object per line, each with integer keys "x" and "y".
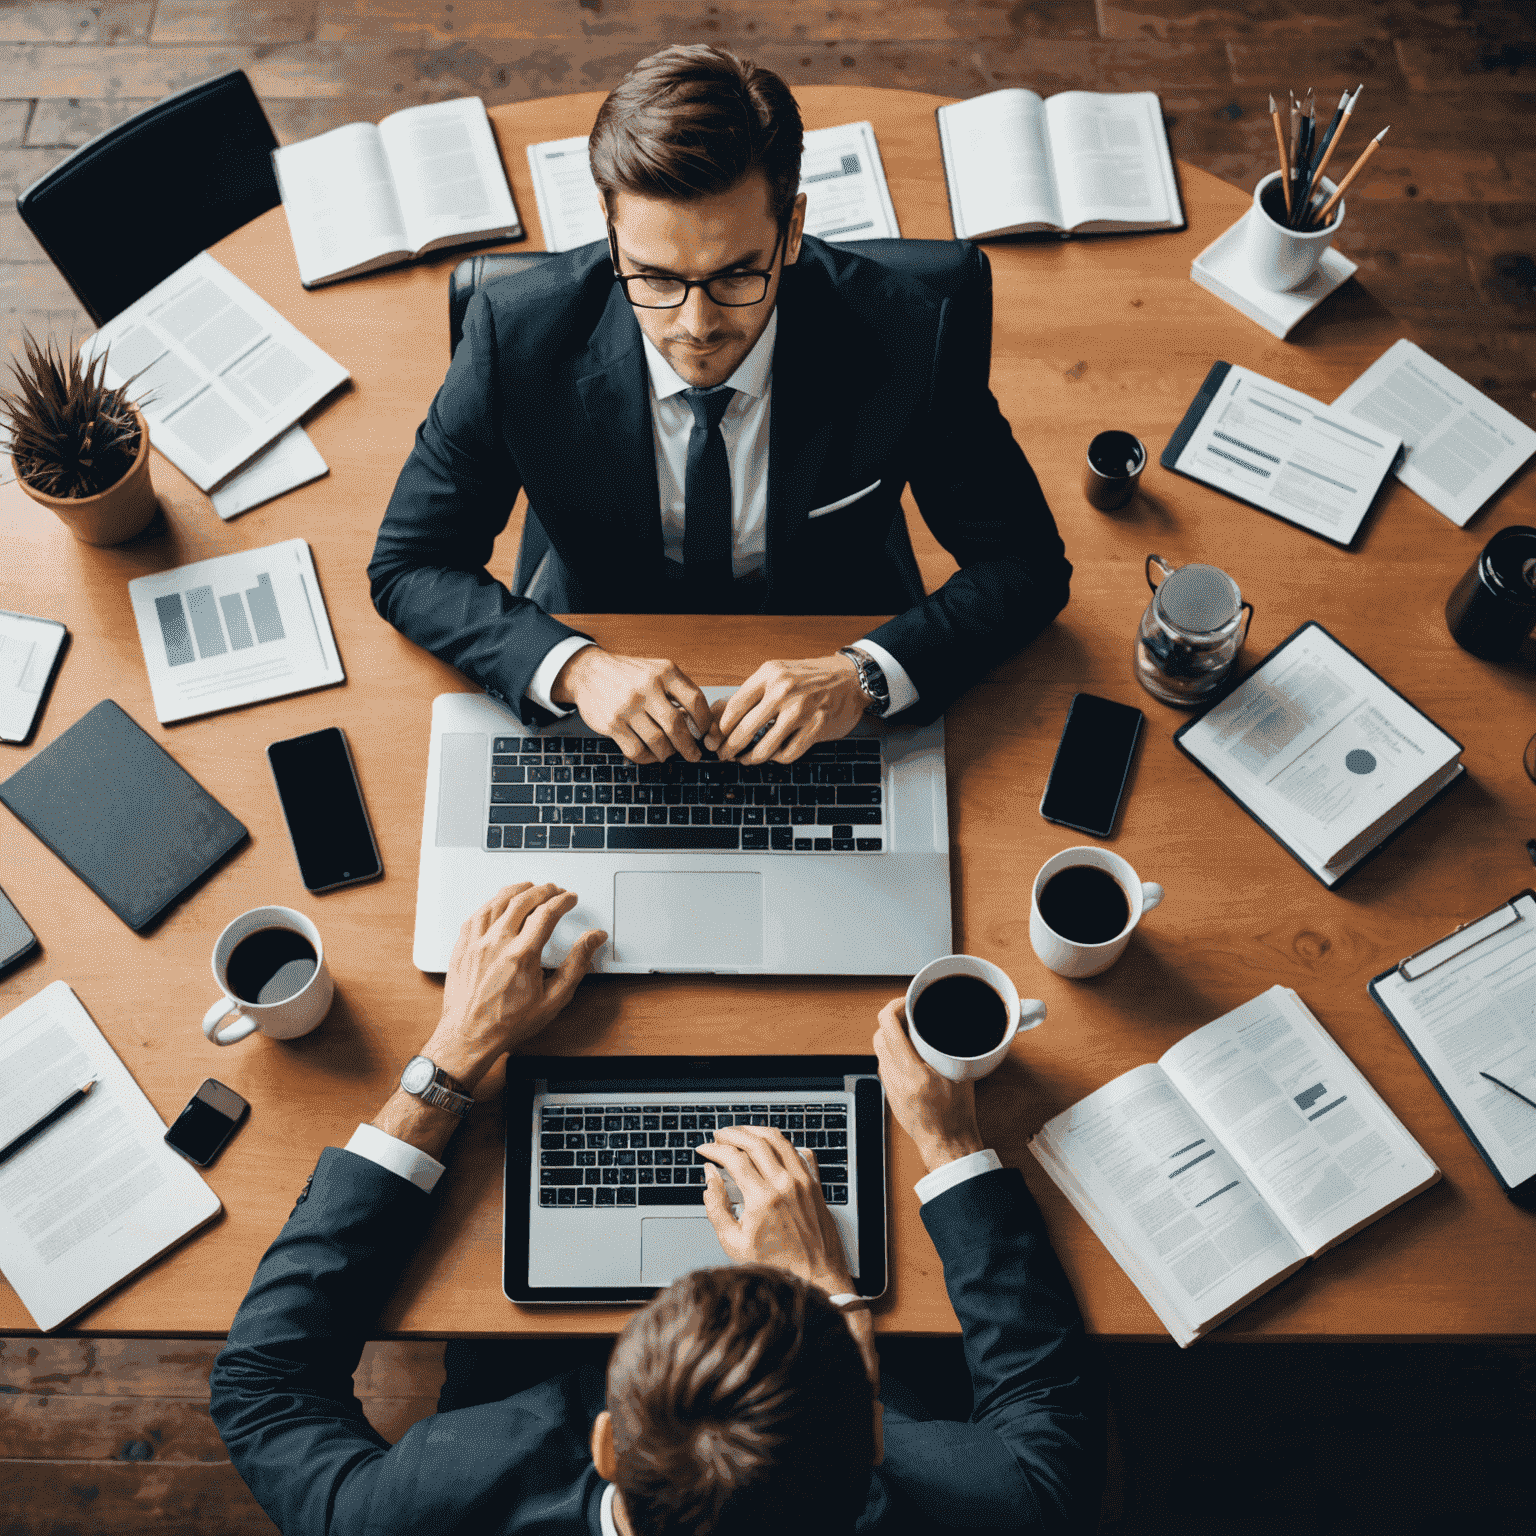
{"x": 112, "y": 515}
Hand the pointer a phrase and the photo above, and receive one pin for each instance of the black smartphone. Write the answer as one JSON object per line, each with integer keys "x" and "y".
{"x": 16, "y": 939}
{"x": 208, "y": 1121}
{"x": 1093, "y": 760}
{"x": 323, "y": 806}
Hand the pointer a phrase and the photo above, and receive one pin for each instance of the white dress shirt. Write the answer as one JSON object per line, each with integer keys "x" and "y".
{"x": 744, "y": 428}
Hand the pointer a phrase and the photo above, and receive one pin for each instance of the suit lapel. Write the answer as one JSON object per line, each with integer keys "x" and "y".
{"x": 616, "y": 398}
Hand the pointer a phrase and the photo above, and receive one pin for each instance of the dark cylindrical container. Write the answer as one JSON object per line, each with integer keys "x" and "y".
{"x": 1493, "y": 607}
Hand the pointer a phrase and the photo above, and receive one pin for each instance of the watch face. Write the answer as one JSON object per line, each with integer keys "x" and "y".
{"x": 418, "y": 1074}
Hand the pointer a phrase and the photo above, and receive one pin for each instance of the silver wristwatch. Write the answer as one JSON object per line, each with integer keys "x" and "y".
{"x": 429, "y": 1083}
{"x": 872, "y": 683}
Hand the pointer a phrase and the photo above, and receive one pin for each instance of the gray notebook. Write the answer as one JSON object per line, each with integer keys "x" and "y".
{"x": 122, "y": 813}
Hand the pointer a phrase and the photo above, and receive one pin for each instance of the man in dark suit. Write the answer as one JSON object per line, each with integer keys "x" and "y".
{"x": 741, "y": 1401}
{"x": 716, "y": 413}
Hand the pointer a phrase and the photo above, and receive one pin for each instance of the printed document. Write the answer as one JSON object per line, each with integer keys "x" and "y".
{"x": 1476, "y": 1013}
{"x": 1322, "y": 751}
{"x": 217, "y": 372}
{"x": 234, "y": 630}
{"x": 1459, "y": 447}
{"x": 841, "y": 174}
{"x": 292, "y": 461}
{"x": 1288, "y": 454}
{"x": 98, "y": 1195}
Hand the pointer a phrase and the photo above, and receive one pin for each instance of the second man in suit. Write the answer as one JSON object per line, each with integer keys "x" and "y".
{"x": 712, "y": 413}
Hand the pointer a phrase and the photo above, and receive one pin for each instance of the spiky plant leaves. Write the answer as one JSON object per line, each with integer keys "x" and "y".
{"x": 72, "y": 435}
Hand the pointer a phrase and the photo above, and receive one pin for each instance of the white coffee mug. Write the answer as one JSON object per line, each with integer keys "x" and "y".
{"x": 1282, "y": 259}
{"x": 1021, "y": 1016}
{"x": 1069, "y": 957}
{"x": 293, "y": 1016}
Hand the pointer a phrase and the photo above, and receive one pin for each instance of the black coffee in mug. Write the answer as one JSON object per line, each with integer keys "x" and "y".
{"x": 270, "y": 965}
{"x": 960, "y": 1016}
{"x": 1085, "y": 904}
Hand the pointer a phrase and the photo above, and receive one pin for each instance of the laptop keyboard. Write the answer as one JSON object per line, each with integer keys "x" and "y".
{"x": 571, "y": 792}
{"x": 642, "y": 1154}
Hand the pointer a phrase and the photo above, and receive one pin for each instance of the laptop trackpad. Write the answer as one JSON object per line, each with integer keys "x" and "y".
{"x": 670, "y": 1247}
{"x": 688, "y": 920}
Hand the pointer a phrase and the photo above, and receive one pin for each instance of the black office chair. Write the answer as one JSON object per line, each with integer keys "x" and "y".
{"x": 142, "y": 199}
{"x": 954, "y": 269}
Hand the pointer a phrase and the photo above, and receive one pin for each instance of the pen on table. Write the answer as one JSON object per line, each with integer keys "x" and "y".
{"x": 1321, "y": 218}
{"x": 1285, "y": 155}
{"x": 38, "y": 1126}
{"x": 1507, "y": 1089}
{"x": 1330, "y": 141}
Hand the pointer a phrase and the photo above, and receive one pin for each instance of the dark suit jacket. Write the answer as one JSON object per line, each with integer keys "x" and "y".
{"x": 1028, "y": 1461}
{"x": 548, "y": 392}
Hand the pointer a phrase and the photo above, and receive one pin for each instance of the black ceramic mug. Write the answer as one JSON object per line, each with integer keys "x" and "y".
{"x": 1493, "y": 607}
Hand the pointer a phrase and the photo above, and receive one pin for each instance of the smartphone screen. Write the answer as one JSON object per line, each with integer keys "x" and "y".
{"x": 1092, "y": 761}
{"x": 323, "y": 807}
{"x": 208, "y": 1121}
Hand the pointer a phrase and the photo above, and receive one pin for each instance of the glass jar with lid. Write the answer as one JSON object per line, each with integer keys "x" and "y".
{"x": 1191, "y": 633}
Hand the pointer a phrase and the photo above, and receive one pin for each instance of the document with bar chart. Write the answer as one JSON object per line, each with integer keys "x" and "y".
{"x": 234, "y": 630}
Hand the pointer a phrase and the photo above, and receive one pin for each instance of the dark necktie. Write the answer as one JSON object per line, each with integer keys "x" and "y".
{"x": 707, "y": 491}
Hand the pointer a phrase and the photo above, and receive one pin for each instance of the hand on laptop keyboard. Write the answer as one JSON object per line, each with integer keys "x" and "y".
{"x": 646, "y": 705}
{"x": 786, "y": 707}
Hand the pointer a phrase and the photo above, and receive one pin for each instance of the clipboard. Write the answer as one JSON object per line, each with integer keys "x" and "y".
{"x": 1423, "y": 964}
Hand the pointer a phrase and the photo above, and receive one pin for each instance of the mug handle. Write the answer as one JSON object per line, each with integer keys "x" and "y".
{"x": 1162, "y": 565}
{"x": 1247, "y": 626}
{"x": 1151, "y": 894}
{"x": 216, "y": 1015}
{"x": 1031, "y": 1013}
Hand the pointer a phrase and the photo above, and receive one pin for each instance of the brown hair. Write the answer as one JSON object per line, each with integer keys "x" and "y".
{"x": 740, "y": 1404}
{"x": 691, "y": 122}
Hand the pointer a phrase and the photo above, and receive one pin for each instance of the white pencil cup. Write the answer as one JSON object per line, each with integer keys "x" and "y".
{"x": 1281, "y": 259}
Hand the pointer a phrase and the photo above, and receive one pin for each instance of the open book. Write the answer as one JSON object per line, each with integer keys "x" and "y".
{"x": 99, "y": 1195}
{"x": 363, "y": 197}
{"x": 1081, "y": 163}
{"x": 1250, "y": 1146}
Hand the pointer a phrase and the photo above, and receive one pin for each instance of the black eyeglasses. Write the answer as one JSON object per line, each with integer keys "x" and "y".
{"x": 730, "y": 290}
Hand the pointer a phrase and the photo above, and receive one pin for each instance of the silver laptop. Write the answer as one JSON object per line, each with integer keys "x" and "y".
{"x": 604, "y": 1192}
{"x": 836, "y": 864}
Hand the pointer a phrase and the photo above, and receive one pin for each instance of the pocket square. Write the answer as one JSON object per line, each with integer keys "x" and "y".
{"x": 834, "y": 506}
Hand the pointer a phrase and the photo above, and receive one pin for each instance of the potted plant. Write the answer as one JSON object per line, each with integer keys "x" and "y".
{"x": 78, "y": 446}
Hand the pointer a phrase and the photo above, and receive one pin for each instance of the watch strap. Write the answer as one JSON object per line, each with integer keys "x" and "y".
{"x": 441, "y": 1092}
{"x": 872, "y": 683}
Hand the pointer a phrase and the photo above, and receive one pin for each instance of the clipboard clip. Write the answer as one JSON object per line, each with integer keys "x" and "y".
{"x": 1463, "y": 938}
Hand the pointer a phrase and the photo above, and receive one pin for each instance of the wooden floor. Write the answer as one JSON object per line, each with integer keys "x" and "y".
{"x": 1243, "y": 1440}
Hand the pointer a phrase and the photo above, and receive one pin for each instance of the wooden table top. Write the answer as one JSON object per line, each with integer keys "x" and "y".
{"x": 1088, "y": 334}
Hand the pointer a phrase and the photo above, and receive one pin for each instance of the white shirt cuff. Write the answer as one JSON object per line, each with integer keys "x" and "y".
{"x": 548, "y": 670}
{"x": 957, "y": 1172}
{"x": 902, "y": 690}
{"x": 396, "y": 1155}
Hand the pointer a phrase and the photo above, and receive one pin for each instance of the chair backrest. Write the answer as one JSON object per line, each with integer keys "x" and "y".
{"x": 140, "y": 200}
{"x": 954, "y": 269}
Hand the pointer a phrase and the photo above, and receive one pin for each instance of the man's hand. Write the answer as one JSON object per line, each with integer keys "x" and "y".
{"x": 939, "y": 1116}
{"x": 644, "y": 704}
{"x": 496, "y": 994}
{"x": 784, "y": 1219}
{"x": 798, "y": 702}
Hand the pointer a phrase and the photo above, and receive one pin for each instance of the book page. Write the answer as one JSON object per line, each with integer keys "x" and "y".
{"x": 1298, "y": 1117}
{"x": 846, "y": 196}
{"x": 1289, "y": 454}
{"x": 1317, "y": 746}
{"x": 448, "y": 174}
{"x": 1184, "y": 1216}
{"x": 570, "y": 208}
{"x": 1107, "y": 153}
{"x": 1459, "y": 446}
{"x": 1476, "y": 1013}
{"x": 998, "y": 163}
{"x": 98, "y": 1195}
{"x": 234, "y": 630}
{"x": 217, "y": 372}
{"x": 339, "y": 199}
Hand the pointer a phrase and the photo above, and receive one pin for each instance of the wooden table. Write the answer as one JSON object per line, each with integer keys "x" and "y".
{"x": 1089, "y": 334}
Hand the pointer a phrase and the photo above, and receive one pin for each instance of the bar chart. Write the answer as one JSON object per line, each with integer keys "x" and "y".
{"x": 234, "y": 621}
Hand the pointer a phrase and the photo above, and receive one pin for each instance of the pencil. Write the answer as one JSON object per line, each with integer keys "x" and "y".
{"x": 1507, "y": 1089}
{"x": 1303, "y": 156}
{"x": 1330, "y": 139}
{"x": 1321, "y": 218}
{"x": 41, "y": 1124}
{"x": 1285, "y": 156}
